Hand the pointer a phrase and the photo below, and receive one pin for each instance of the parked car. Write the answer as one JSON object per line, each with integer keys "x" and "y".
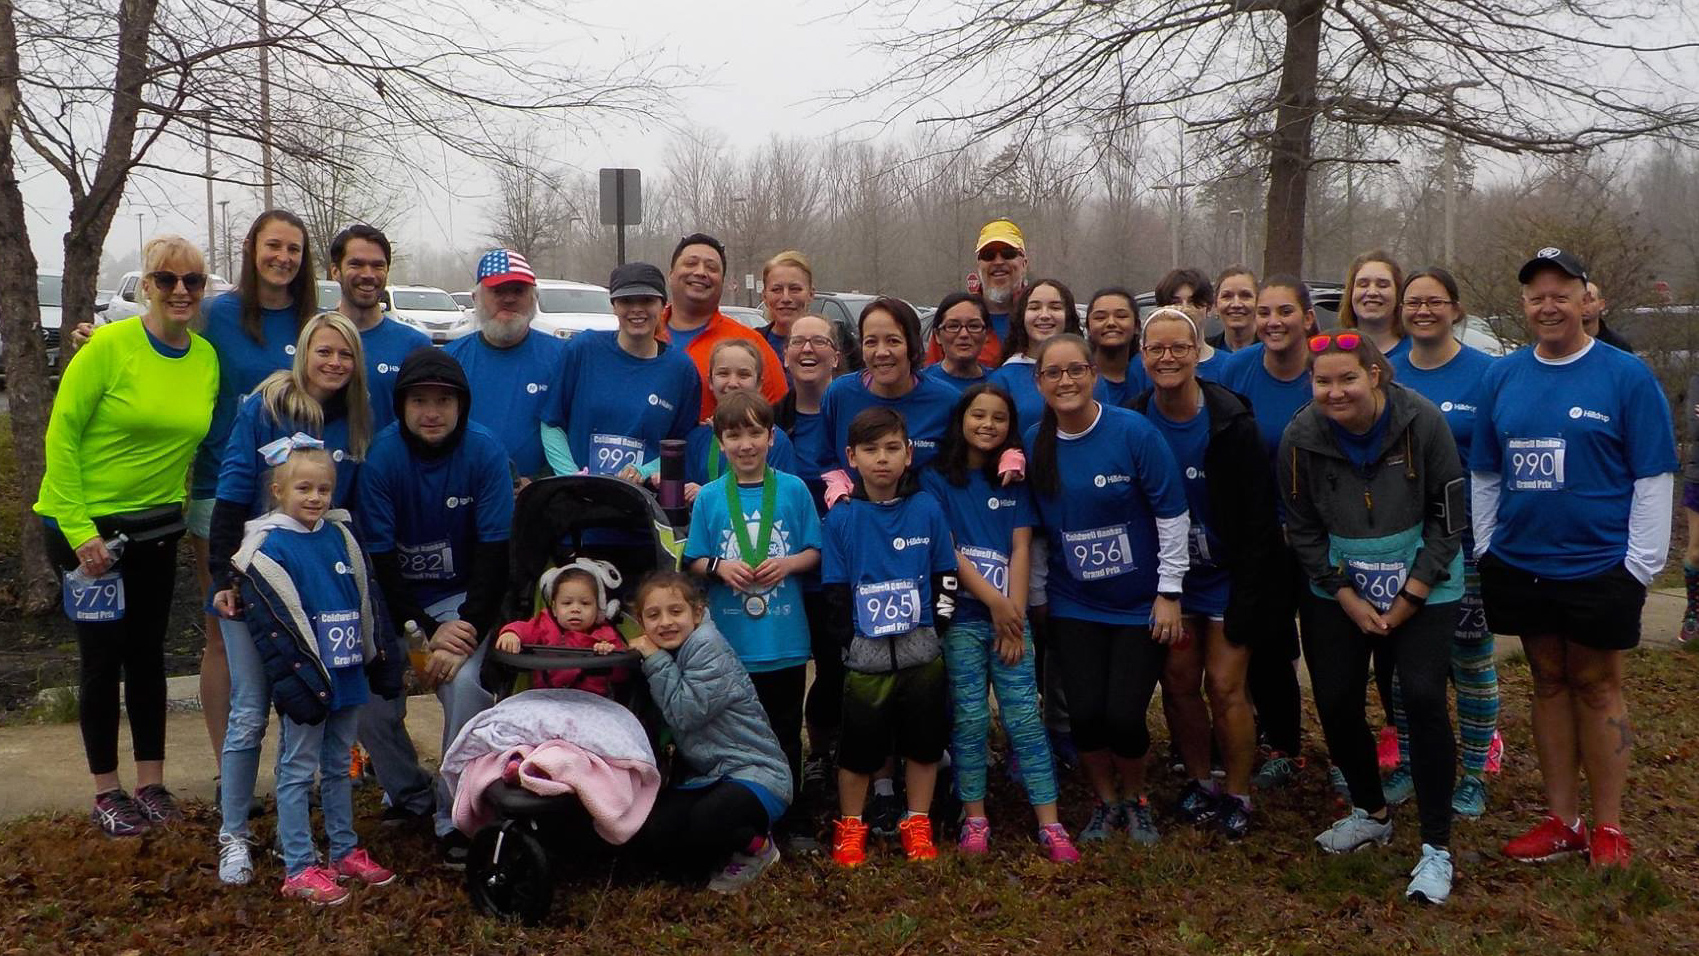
{"x": 745, "y": 316}
{"x": 126, "y": 301}
{"x": 330, "y": 295}
{"x": 431, "y": 311}
{"x": 463, "y": 299}
{"x": 565, "y": 309}
{"x": 843, "y": 309}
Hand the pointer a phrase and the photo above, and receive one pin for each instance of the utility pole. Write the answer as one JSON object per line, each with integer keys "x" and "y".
{"x": 141, "y": 245}
{"x": 205, "y": 117}
{"x": 265, "y": 103}
{"x": 229, "y": 270}
{"x": 1239, "y": 214}
{"x": 1450, "y": 177}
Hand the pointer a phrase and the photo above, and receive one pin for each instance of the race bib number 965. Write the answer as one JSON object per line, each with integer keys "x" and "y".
{"x": 339, "y": 638}
{"x": 1099, "y": 553}
{"x": 1536, "y": 464}
{"x": 887, "y": 608}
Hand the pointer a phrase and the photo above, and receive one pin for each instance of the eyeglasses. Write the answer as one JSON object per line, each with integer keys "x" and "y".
{"x": 1007, "y": 253}
{"x": 818, "y": 343}
{"x": 167, "y": 281}
{"x": 1076, "y": 371}
{"x": 1179, "y": 350}
{"x": 957, "y": 328}
{"x": 1347, "y": 341}
{"x": 1417, "y": 305}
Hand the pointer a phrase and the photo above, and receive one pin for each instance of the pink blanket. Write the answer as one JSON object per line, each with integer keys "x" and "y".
{"x": 618, "y": 793}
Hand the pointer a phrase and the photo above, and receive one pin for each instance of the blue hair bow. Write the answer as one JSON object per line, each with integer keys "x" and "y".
{"x": 277, "y": 452}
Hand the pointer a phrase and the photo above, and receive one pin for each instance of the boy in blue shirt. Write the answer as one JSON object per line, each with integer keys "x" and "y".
{"x": 889, "y": 573}
{"x": 752, "y": 562}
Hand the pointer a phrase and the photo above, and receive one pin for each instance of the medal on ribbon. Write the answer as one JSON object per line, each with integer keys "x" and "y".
{"x": 752, "y": 552}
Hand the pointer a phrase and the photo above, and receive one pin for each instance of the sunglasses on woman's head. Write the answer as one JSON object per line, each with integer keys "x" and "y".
{"x": 1008, "y": 254}
{"x": 167, "y": 281}
{"x": 1347, "y": 341}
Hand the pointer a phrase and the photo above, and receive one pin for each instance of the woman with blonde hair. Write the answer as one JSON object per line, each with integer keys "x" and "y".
{"x": 320, "y": 399}
{"x": 132, "y": 406}
{"x": 787, "y": 290}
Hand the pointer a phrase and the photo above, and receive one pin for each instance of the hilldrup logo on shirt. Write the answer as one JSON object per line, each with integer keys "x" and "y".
{"x": 341, "y": 568}
{"x": 1464, "y": 407}
{"x": 1579, "y": 412}
{"x": 535, "y": 387}
{"x": 1193, "y": 472}
{"x": 384, "y": 368}
{"x": 898, "y": 544}
{"x": 289, "y": 350}
{"x": 1104, "y": 480}
{"x": 995, "y": 502}
{"x": 658, "y": 400}
{"x": 454, "y": 502}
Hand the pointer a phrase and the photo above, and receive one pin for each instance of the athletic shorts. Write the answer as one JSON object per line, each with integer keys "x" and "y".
{"x": 903, "y": 712}
{"x": 1601, "y": 612}
{"x": 198, "y": 516}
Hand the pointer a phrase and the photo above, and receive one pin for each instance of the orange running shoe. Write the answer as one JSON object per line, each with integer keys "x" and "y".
{"x": 849, "y": 843}
{"x": 1609, "y": 849}
{"x": 916, "y": 834}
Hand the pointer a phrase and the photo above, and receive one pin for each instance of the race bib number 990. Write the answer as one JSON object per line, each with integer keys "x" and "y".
{"x": 992, "y": 565}
{"x": 1536, "y": 464}
{"x": 612, "y": 454}
{"x": 1099, "y": 553}
{"x": 427, "y": 562}
{"x": 887, "y": 608}
{"x": 1377, "y": 581}
{"x": 339, "y": 638}
{"x": 99, "y": 600}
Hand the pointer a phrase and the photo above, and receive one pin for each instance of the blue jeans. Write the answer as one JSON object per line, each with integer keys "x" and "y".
{"x": 970, "y": 657}
{"x": 324, "y": 748}
{"x": 250, "y": 709}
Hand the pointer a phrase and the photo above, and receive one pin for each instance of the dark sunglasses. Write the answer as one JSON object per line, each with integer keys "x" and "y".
{"x": 1347, "y": 341}
{"x": 167, "y": 281}
{"x": 1007, "y": 253}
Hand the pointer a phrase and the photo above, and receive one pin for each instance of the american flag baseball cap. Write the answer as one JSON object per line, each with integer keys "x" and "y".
{"x": 504, "y": 265}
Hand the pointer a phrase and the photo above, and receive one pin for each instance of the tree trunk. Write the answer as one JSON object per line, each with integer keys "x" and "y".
{"x": 23, "y": 353}
{"x": 1289, "y": 147}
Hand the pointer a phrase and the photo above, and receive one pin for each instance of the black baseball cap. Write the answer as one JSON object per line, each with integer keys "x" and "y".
{"x": 637, "y": 279}
{"x": 1551, "y": 257}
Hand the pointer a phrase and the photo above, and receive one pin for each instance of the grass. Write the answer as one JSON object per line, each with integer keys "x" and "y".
{"x": 69, "y": 891}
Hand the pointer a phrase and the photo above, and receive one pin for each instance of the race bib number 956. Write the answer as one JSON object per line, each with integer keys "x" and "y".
{"x": 1099, "y": 553}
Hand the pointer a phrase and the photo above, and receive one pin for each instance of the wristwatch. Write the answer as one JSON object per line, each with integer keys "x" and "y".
{"x": 1170, "y": 595}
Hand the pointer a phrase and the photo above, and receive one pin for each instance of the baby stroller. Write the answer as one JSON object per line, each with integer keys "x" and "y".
{"x": 509, "y": 869}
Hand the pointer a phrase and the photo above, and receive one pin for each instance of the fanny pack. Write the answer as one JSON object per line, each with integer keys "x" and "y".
{"x": 140, "y": 527}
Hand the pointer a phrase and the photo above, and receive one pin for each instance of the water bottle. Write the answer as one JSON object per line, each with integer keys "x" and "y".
{"x": 115, "y": 547}
{"x": 418, "y": 653}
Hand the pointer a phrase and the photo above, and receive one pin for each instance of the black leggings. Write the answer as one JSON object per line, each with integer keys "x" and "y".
{"x": 825, "y": 708}
{"x": 780, "y": 693}
{"x": 1338, "y": 657}
{"x": 690, "y": 833}
{"x": 1271, "y": 680}
{"x": 132, "y": 649}
{"x": 1108, "y": 672}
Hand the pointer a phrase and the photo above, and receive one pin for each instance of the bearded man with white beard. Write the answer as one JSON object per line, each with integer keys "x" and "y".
{"x": 1001, "y": 270}
{"x": 511, "y": 368}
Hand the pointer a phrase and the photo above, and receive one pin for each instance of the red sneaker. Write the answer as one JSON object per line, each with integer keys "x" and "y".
{"x": 1550, "y": 839}
{"x": 359, "y": 865}
{"x": 849, "y": 843}
{"x": 916, "y": 835}
{"x": 1610, "y": 849}
{"x": 316, "y": 885}
{"x": 1386, "y": 750}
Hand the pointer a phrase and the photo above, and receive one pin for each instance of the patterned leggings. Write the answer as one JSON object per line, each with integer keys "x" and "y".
{"x": 970, "y": 658}
{"x": 1473, "y": 673}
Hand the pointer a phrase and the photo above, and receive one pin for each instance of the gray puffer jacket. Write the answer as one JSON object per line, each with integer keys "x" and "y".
{"x": 708, "y": 700}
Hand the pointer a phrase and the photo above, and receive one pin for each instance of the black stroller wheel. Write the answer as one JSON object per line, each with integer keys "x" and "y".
{"x": 507, "y": 873}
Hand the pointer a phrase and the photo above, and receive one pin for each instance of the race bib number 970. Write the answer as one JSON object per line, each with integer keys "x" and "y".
{"x": 612, "y": 454}
{"x": 992, "y": 565}
{"x": 1536, "y": 464}
{"x": 1099, "y": 553}
{"x": 99, "y": 600}
{"x": 339, "y": 638}
{"x": 887, "y": 608}
{"x": 1377, "y": 581}
{"x": 427, "y": 562}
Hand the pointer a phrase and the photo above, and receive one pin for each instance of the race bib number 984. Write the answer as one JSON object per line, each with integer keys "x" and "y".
{"x": 887, "y": 608}
{"x": 339, "y": 638}
{"x": 1099, "y": 553}
{"x": 1536, "y": 464}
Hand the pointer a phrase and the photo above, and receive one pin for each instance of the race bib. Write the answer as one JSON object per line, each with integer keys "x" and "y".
{"x": 1377, "y": 581}
{"x": 1099, "y": 553}
{"x": 992, "y": 565}
{"x": 887, "y": 608}
{"x": 99, "y": 600}
{"x": 427, "y": 562}
{"x": 611, "y": 454}
{"x": 339, "y": 638}
{"x": 1536, "y": 464}
{"x": 1197, "y": 547}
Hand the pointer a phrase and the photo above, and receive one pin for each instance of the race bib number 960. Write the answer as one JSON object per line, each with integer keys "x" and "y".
{"x": 1099, "y": 553}
{"x": 339, "y": 638}
{"x": 427, "y": 562}
{"x": 612, "y": 454}
{"x": 1377, "y": 581}
{"x": 887, "y": 608}
{"x": 1536, "y": 464}
{"x": 99, "y": 600}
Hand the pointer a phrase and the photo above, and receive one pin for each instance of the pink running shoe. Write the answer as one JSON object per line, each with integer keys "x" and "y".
{"x": 976, "y": 836}
{"x": 1386, "y": 752}
{"x": 1056, "y": 841}
{"x": 359, "y": 865}
{"x": 317, "y": 885}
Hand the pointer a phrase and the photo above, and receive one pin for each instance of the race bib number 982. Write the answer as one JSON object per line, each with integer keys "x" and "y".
{"x": 1536, "y": 464}
{"x": 887, "y": 608}
{"x": 1099, "y": 553}
{"x": 427, "y": 562}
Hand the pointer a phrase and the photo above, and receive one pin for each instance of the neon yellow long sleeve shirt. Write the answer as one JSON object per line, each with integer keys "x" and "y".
{"x": 125, "y": 425}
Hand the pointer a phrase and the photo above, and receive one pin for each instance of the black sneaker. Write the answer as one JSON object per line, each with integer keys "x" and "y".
{"x": 159, "y": 805}
{"x": 403, "y": 817}
{"x": 1196, "y": 805}
{"x": 815, "y": 772}
{"x": 883, "y": 815}
{"x": 117, "y": 815}
{"x": 1232, "y": 817}
{"x": 452, "y": 849}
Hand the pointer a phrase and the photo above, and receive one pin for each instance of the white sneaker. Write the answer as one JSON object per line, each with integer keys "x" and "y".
{"x": 235, "y": 863}
{"x": 1430, "y": 881}
{"x": 742, "y": 869}
{"x": 1354, "y": 832}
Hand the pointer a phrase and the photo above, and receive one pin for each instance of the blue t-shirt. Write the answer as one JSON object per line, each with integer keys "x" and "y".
{"x": 510, "y": 390}
{"x": 886, "y": 553}
{"x": 812, "y": 445}
{"x": 1120, "y": 394}
{"x": 1454, "y": 387}
{"x": 925, "y": 409}
{"x": 616, "y": 408}
{"x": 242, "y": 365}
{"x": 1000, "y": 326}
{"x": 1568, "y": 442}
{"x": 1212, "y": 368}
{"x": 1361, "y": 450}
{"x": 319, "y": 566}
{"x": 1399, "y": 349}
{"x": 778, "y": 638}
{"x": 781, "y": 454}
{"x": 1273, "y": 402}
{"x": 243, "y": 474}
{"x": 1115, "y": 481}
{"x": 682, "y": 338}
{"x": 386, "y": 345}
{"x": 1205, "y": 587}
{"x": 983, "y": 517}
{"x": 433, "y": 511}
{"x": 168, "y": 351}
{"x": 938, "y": 373}
{"x": 1016, "y": 377}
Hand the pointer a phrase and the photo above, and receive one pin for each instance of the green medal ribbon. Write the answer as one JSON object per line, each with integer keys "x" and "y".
{"x": 753, "y": 554}
{"x": 713, "y": 457}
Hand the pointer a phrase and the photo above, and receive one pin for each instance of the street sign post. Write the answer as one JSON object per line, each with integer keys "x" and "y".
{"x": 622, "y": 201}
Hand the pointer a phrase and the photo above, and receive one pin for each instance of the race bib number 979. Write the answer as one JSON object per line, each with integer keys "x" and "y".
{"x": 99, "y": 600}
{"x": 887, "y": 608}
{"x": 1536, "y": 464}
{"x": 1099, "y": 553}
